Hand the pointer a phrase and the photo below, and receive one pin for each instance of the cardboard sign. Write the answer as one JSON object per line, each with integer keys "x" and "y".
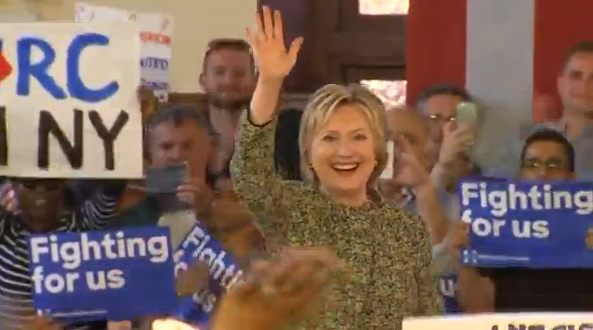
{"x": 114, "y": 275}
{"x": 69, "y": 104}
{"x": 156, "y": 31}
{"x": 523, "y": 321}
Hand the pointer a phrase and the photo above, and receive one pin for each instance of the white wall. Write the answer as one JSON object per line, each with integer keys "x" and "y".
{"x": 499, "y": 68}
{"x": 196, "y": 23}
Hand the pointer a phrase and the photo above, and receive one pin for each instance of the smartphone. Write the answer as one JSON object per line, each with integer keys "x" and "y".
{"x": 466, "y": 113}
{"x": 388, "y": 171}
{"x": 165, "y": 179}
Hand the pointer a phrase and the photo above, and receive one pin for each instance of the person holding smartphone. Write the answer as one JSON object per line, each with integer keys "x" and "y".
{"x": 453, "y": 131}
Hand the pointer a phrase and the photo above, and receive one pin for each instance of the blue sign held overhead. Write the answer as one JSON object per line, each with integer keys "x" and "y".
{"x": 75, "y": 85}
{"x": 116, "y": 275}
{"x": 528, "y": 224}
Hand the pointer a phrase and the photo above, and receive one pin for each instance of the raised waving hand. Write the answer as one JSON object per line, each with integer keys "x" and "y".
{"x": 274, "y": 62}
{"x": 267, "y": 41}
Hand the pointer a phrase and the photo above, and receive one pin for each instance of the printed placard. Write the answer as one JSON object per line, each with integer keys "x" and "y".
{"x": 156, "y": 32}
{"x": 200, "y": 246}
{"x": 68, "y": 101}
{"x": 114, "y": 275}
{"x": 523, "y": 321}
{"x": 528, "y": 224}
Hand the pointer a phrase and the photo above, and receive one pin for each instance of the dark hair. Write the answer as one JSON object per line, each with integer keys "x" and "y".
{"x": 234, "y": 44}
{"x": 550, "y": 135}
{"x": 286, "y": 149}
{"x": 442, "y": 89}
{"x": 580, "y": 47}
{"x": 176, "y": 114}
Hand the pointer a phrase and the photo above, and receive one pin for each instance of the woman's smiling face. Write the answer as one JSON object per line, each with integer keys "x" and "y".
{"x": 342, "y": 152}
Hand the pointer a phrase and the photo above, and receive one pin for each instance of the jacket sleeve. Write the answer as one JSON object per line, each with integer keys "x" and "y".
{"x": 255, "y": 179}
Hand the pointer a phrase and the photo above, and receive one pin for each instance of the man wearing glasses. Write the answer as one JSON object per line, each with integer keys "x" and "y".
{"x": 547, "y": 156}
{"x": 450, "y": 142}
{"x": 449, "y": 154}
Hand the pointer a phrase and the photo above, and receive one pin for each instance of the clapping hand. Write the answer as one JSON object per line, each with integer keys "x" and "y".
{"x": 280, "y": 291}
{"x": 409, "y": 171}
{"x": 273, "y": 60}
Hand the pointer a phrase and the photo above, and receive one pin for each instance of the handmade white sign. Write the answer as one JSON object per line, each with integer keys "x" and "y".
{"x": 68, "y": 101}
{"x": 156, "y": 31}
{"x": 523, "y": 321}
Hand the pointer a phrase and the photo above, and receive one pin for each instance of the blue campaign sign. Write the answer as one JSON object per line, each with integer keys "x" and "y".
{"x": 447, "y": 286}
{"x": 200, "y": 246}
{"x": 528, "y": 224}
{"x": 114, "y": 275}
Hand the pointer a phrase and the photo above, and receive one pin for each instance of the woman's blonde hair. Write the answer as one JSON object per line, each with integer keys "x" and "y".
{"x": 321, "y": 107}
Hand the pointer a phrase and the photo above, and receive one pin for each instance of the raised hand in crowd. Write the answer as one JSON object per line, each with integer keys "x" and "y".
{"x": 459, "y": 238}
{"x": 453, "y": 153}
{"x": 410, "y": 172}
{"x": 280, "y": 291}
{"x": 195, "y": 192}
{"x": 148, "y": 102}
{"x": 457, "y": 139}
{"x": 408, "y": 169}
{"x": 273, "y": 60}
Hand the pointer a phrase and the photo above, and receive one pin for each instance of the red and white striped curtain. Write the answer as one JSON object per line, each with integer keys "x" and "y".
{"x": 499, "y": 49}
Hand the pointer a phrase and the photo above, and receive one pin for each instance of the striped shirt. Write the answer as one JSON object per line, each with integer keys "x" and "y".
{"x": 16, "y": 288}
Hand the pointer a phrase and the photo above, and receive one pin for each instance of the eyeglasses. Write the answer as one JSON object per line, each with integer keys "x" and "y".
{"x": 440, "y": 118}
{"x": 551, "y": 165}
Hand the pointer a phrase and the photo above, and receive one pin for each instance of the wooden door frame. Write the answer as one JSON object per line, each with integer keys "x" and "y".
{"x": 319, "y": 58}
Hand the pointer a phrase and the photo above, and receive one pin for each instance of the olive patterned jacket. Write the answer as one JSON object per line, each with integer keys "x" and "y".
{"x": 387, "y": 251}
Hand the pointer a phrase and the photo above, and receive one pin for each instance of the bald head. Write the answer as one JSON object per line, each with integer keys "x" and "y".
{"x": 410, "y": 124}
